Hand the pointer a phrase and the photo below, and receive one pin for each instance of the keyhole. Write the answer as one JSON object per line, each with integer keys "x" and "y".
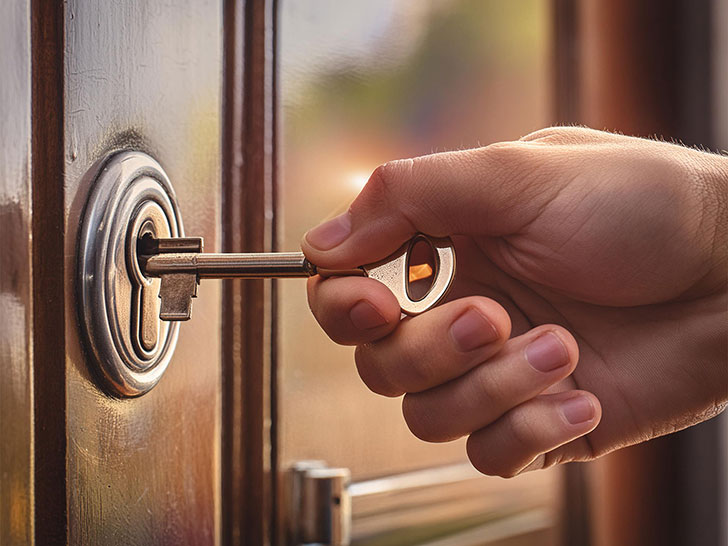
{"x": 421, "y": 269}
{"x": 149, "y": 223}
{"x": 148, "y": 303}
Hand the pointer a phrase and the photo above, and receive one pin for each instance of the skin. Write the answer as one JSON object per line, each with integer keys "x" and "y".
{"x": 617, "y": 246}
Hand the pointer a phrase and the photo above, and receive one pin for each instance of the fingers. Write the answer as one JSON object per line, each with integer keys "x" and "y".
{"x": 353, "y": 310}
{"x": 522, "y": 436}
{"x": 435, "y": 347}
{"x": 526, "y": 366}
{"x": 494, "y": 190}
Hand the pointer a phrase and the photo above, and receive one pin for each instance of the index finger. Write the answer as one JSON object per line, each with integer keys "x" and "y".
{"x": 353, "y": 310}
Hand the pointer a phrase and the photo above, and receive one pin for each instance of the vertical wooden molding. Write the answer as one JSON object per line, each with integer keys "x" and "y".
{"x": 272, "y": 207}
{"x": 574, "y": 517}
{"x": 248, "y": 167}
{"x": 47, "y": 168}
{"x": 646, "y": 72}
{"x": 233, "y": 452}
{"x": 566, "y": 60}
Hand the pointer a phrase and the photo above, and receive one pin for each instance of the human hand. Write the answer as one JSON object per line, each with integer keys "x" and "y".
{"x": 572, "y": 245}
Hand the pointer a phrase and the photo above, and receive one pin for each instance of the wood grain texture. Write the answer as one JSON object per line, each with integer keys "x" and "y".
{"x": 49, "y": 265}
{"x": 645, "y": 71}
{"x": 234, "y": 232}
{"x": 145, "y": 75}
{"x": 574, "y": 525}
{"x": 566, "y": 60}
{"x": 16, "y": 317}
{"x": 248, "y": 451}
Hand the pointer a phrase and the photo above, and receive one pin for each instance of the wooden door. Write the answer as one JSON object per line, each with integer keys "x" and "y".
{"x": 82, "y": 80}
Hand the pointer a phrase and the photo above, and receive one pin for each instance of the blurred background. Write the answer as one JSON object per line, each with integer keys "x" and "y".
{"x": 361, "y": 83}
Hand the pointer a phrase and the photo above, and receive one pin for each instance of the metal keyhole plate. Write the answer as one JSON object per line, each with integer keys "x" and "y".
{"x": 118, "y": 305}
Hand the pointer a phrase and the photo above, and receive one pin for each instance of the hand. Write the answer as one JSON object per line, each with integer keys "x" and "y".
{"x": 573, "y": 246}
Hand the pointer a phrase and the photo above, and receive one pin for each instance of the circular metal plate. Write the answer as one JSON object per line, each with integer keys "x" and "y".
{"x": 131, "y": 196}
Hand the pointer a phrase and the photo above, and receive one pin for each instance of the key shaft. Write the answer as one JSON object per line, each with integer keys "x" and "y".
{"x": 225, "y": 266}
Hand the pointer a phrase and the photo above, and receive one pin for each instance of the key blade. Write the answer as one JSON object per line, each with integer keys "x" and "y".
{"x": 262, "y": 265}
{"x": 149, "y": 245}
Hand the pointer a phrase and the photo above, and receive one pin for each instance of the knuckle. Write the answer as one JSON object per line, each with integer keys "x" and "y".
{"x": 489, "y": 463}
{"x": 414, "y": 370}
{"x": 389, "y": 175}
{"x": 333, "y": 328}
{"x": 374, "y": 196}
{"x": 558, "y": 135}
{"x": 523, "y": 431}
{"x": 391, "y": 171}
{"x": 512, "y": 160}
{"x": 399, "y": 362}
{"x": 490, "y": 387}
{"x": 507, "y": 151}
{"x": 386, "y": 189}
{"x": 552, "y": 458}
{"x": 419, "y": 418}
{"x": 371, "y": 373}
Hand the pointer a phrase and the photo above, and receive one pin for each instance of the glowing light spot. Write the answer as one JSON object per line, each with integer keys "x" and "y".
{"x": 357, "y": 180}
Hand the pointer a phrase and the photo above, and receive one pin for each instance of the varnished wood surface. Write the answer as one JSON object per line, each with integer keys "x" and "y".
{"x": 233, "y": 235}
{"x": 49, "y": 267}
{"x": 16, "y": 313}
{"x": 248, "y": 454}
{"x": 147, "y": 76}
{"x": 574, "y": 526}
{"x": 645, "y": 71}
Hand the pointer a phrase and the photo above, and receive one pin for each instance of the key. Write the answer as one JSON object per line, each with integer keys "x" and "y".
{"x": 417, "y": 283}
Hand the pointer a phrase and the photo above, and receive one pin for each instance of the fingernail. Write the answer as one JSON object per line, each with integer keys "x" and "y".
{"x": 578, "y": 409}
{"x": 365, "y": 317}
{"x": 547, "y": 353}
{"x": 472, "y": 330}
{"x": 330, "y": 234}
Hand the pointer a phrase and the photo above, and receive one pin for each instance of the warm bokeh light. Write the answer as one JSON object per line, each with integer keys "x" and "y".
{"x": 357, "y": 180}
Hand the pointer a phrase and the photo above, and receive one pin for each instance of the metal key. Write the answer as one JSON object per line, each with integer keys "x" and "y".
{"x": 181, "y": 264}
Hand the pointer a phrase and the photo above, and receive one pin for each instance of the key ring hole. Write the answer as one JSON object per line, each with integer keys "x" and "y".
{"x": 422, "y": 268}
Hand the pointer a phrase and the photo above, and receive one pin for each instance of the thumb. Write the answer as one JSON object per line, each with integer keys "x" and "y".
{"x": 491, "y": 191}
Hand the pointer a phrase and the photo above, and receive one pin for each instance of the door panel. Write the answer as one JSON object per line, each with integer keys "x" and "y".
{"x": 16, "y": 319}
{"x": 146, "y": 76}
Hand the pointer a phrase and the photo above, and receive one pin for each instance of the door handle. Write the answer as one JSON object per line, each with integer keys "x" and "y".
{"x": 320, "y": 504}
{"x": 321, "y": 497}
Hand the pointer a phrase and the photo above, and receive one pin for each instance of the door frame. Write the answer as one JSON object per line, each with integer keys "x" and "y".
{"x": 248, "y": 337}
